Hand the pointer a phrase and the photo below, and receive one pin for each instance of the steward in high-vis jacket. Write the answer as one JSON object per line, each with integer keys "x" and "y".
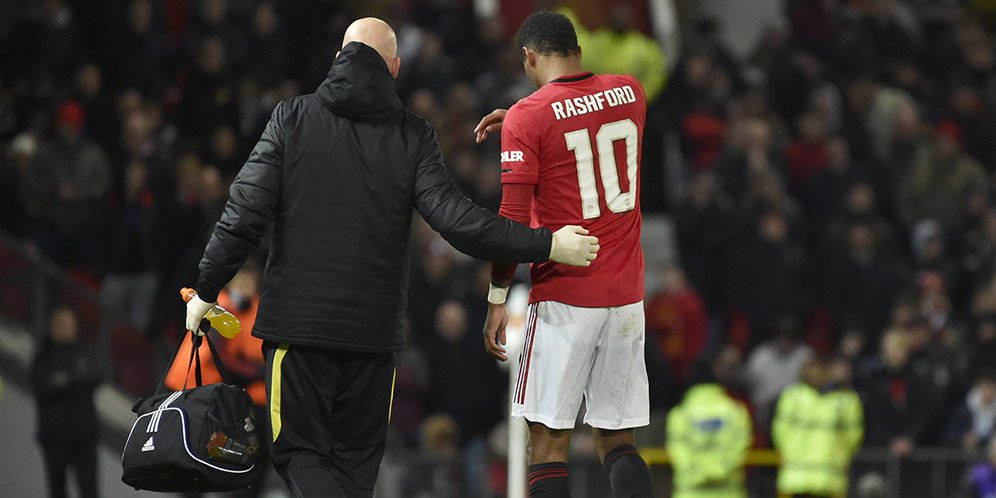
{"x": 708, "y": 435}
{"x": 338, "y": 172}
{"x": 817, "y": 429}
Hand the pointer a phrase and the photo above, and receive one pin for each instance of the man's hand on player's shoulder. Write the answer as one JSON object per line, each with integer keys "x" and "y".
{"x": 494, "y": 331}
{"x": 490, "y": 124}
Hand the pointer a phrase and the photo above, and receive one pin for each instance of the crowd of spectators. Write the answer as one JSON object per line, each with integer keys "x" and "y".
{"x": 834, "y": 192}
{"x": 839, "y": 202}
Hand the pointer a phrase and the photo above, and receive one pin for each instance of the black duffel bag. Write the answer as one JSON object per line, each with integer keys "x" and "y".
{"x": 200, "y": 439}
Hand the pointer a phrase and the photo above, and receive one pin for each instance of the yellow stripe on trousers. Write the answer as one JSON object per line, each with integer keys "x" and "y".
{"x": 390, "y": 407}
{"x": 278, "y": 359}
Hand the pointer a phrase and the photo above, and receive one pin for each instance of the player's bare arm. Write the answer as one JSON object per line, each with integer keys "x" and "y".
{"x": 497, "y": 320}
{"x": 490, "y": 124}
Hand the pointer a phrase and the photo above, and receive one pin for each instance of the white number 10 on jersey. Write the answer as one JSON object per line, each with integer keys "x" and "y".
{"x": 579, "y": 142}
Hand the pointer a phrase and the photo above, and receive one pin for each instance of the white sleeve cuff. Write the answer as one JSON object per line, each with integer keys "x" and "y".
{"x": 497, "y": 295}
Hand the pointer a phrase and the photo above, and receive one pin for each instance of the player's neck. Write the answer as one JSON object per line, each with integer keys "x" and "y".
{"x": 560, "y": 67}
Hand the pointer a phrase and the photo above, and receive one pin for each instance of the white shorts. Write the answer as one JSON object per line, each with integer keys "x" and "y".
{"x": 571, "y": 352}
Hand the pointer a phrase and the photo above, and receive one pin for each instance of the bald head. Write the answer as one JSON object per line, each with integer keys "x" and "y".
{"x": 376, "y": 34}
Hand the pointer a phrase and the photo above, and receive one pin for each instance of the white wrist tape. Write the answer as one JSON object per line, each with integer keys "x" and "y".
{"x": 497, "y": 295}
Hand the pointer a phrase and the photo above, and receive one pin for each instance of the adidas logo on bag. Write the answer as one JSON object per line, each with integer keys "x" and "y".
{"x": 148, "y": 446}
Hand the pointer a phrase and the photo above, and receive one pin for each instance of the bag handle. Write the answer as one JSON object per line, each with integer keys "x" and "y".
{"x": 195, "y": 360}
{"x": 226, "y": 376}
{"x": 169, "y": 366}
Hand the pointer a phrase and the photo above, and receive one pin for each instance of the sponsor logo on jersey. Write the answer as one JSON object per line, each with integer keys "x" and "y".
{"x": 148, "y": 446}
{"x": 511, "y": 156}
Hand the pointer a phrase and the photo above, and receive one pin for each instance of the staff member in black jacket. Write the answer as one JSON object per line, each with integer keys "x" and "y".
{"x": 64, "y": 377}
{"x": 338, "y": 172}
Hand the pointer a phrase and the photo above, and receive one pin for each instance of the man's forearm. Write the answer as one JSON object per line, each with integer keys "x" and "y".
{"x": 516, "y": 205}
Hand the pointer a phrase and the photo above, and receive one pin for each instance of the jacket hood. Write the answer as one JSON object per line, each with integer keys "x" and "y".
{"x": 359, "y": 86}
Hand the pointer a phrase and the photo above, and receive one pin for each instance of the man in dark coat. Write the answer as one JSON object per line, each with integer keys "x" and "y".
{"x": 338, "y": 172}
{"x": 64, "y": 377}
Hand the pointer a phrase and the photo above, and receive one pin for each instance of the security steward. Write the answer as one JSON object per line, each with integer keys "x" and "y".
{"x": 817, "y": 428}
{"x": 708, "y": 435}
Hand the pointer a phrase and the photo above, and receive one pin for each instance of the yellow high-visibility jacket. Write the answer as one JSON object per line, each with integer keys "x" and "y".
{"x": 708, "y": 435}
{"x": 604, "y": 51}
{"x": 816, "y": 434}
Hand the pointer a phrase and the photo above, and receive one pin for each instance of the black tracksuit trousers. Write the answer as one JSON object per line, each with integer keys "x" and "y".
{"x": 328, "y": 411}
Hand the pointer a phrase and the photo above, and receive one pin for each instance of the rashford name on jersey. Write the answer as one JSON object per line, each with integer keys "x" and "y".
{"x": 594, "y": 102}
{"x": 578, "y": 140}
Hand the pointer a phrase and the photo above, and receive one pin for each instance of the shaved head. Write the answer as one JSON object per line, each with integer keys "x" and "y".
{"x": 376, "y": 34}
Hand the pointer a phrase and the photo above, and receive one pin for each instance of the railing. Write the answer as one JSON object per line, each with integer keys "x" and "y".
{"x": 925, "y": 473}
{"x": 31, "y": 286}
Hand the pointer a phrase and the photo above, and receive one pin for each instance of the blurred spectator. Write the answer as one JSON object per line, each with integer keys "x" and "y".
{"x": 209, "y": 99}
{"x": 436, "y": 475}
{"x": 268, "y": 45}
{"x": 68, "y": 178}
{"x": 677, "y": 322}
{"x": 809, "y": 153}
{"x": 471, "y": 392}
{"x": 710, "y": 43}
{"x": 64, "y": 377}
{"x": 901, "y": 401}
{"x": 727, "y": 368}
{"x": 774, "y": 365}
{"x": 212, "y": 21}
{"x": 888, "y": 115}
{"x": 818, "y": 426}
{"x": 224, "y": 153}
{"x": 749, "y": 155}
{"x": 823, "y": 193}
{"x": 974, "y": 422}
{"x": 17, "y": 212}
{"x": 906, "y": 147}
{"x": 697, "y": 111}
{"x": 861, "y": 206}
{"x": 101, "y": 123}
{"x": 703, "y": 226}
{"x": 978, "y": 231}
{"x": 142, "y": 56}
{"x": 132, "y": 252}
{"x": 46, "y": 43}
{"x": 980, "y": 481}
{"x": 431, "y": 285}
{"x": 504, "y": 84}
{"x": 431, "y": 69}
{"x": 938, "y": 182}
{"x": 410, "y": 388}
{"x": 767, "y": 276}
{"x": 861, "y": 281}
{"x": 982, "y": 344}
{"x": 766, "y": 191}
{"x": 708, "y": 436}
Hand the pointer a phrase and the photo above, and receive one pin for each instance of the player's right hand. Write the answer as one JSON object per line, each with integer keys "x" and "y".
{"x": 494, "y": 331}
{"x": 490, "y": 124}
{"x": 573, "y": 246}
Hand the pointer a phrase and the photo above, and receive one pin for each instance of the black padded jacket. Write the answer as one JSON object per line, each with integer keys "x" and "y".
{"x": 338, "y": 172}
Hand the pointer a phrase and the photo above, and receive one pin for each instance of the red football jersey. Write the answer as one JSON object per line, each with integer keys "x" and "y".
{"x": 578, "y": 140}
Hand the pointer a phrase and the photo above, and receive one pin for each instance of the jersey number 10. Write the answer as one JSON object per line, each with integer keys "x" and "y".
{"x": 580, "y": 142}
